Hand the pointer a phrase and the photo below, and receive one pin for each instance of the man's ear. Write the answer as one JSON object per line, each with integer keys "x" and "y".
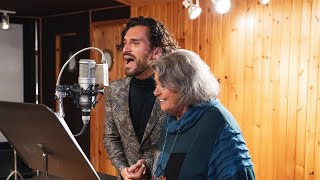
{"x": 157, "y": 53}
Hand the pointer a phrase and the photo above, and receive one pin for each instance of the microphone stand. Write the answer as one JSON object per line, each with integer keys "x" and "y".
{"x": 15, "y": 171}
{"x": 63, "y": 91}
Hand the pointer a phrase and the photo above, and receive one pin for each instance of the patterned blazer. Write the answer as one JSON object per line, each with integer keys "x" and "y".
{"x": 120, "y": 139}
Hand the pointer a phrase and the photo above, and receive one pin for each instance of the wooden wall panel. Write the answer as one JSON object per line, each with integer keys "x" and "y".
{"x": 256, "y": 91}
{"x": 104, "y": 36}
{"x": 267, "y": 61}
{"x": 312, "y": 143}
{"x": 302, "y": 90}
{"x": 247, "y": 23}
{"x": 278, "y": 133}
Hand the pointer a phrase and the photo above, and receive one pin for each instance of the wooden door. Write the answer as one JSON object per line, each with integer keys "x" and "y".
{"x": 66, "y": 46}
{"x": 104, "y": 36}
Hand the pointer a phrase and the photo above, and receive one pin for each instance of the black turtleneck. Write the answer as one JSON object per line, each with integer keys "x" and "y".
{"x": 141, "y": 101}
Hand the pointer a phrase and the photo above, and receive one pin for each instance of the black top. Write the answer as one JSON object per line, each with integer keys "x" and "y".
{"x": 141, "y": 101}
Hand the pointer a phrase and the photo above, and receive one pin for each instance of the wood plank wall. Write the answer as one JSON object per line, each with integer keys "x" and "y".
{"x": 267, "y": 60}
{"x": 105, "y": 36}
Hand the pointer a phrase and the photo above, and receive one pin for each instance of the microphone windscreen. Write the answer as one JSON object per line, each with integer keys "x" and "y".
{"x": 102, "y": 74}
{"x": 86, "y": 73}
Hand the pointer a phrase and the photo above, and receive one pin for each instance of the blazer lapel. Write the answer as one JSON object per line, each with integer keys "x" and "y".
{"x": 124, "y": 112}
{"x": 154, "y": 118}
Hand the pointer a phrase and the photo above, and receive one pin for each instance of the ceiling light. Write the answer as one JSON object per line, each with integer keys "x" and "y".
{"x": 264, "y": 2}
{"x": 222, "y": 6}
{"x": 194, "y": 10}
{"x": 5, "y": 19}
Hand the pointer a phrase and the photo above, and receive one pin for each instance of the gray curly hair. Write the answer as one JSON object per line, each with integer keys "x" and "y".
{"x": 184, "y": 72}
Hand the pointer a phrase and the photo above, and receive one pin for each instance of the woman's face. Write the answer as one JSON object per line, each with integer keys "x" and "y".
{"x": 168, "y": 99}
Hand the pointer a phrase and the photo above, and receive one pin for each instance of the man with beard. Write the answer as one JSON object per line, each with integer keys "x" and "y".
{"x": 134, "y": 119}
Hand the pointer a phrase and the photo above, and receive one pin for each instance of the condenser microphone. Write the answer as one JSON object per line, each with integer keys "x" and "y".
{"x": 87, "y": 83}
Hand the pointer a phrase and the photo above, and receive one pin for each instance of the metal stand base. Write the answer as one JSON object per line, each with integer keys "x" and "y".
{"x": 45, "y": 160}
{"x": 15, "y": 171}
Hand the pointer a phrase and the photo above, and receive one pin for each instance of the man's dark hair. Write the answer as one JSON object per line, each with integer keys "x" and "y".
{"x": 159, "y": 36}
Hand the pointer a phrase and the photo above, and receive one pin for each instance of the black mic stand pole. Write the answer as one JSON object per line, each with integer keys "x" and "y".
{"x": 15, "y": 171}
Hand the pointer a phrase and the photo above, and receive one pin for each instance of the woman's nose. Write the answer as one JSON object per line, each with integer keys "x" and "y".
{"x": 156, "y": 92}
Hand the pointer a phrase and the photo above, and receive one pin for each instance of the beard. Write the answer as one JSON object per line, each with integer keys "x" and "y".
{"x": 141, "y": 66}
{"x": 136, "y": 71}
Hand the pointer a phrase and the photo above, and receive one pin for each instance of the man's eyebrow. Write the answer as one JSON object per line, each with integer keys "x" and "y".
{"x": 135, "y": 39}
{"x": 132, "y": 40}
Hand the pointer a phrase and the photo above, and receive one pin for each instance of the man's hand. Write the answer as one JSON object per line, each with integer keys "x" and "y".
{"x": 125, "y": 173}
{"x": 137, "y": 171}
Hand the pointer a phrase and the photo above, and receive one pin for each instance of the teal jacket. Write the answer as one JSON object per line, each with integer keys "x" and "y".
{"x": 206, "y": 143}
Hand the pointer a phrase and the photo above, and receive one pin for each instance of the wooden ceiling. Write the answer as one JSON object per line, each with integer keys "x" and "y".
{"x": 138, "y": 3}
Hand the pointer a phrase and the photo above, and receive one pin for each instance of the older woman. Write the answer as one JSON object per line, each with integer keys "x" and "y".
{"x": 201, "y": 139}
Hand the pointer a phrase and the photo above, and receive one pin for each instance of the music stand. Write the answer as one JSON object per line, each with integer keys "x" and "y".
{"x": 15, "y": 173}
{"x": 44, "y": 141}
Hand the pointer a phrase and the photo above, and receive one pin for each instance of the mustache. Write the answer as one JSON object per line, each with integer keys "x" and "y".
{"x": 129, "y": 54}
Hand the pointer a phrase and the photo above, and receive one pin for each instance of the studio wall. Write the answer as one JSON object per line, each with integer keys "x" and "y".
{"x": 267, "y": 61}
